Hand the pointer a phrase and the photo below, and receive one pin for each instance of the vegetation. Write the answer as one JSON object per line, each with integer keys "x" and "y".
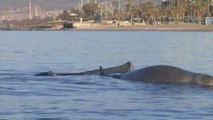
{"x": 168, "y": 11}
{"x": 27, "y": 22}
{"x": 90, "y": 10}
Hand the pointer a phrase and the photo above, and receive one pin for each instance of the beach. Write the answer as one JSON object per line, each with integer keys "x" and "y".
{"x": 162, "y": 27}
{"x": 115, "y": 27}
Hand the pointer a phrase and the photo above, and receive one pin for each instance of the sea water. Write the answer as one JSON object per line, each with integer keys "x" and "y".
{"x": 24, "y": 96}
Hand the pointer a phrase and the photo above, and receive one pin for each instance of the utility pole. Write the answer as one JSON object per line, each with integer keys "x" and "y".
{"x": 30, "y": 10}
{"x": 106, "y": 8}
{"x": 101, "y": 13}
{"x": 119, "y": 5}
{"x": 192, "y": 14}
{"x": 211, "y": 6}
{"x": 208, "y": 5}
{"x": 36, "y": 11}
{"x": 169, "y": 4}
{"x": 82, "y": 3}
{"x": 54, "y": 16}
{"x": 178, "y": 3}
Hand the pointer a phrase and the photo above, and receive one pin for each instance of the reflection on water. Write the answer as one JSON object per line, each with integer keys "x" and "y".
{"x": 24, "y": 96}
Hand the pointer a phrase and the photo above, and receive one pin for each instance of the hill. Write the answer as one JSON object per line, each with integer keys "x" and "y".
{"x": 47, "y": 4}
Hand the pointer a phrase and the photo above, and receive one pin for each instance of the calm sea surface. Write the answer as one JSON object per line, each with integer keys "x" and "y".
{"x": 26, "y": 97}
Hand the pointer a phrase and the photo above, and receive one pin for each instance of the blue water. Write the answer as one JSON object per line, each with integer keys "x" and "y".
{"x": 26, "y": 97}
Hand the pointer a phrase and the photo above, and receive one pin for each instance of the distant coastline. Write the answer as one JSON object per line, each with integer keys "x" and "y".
{"x": 163, "y": 27}
{"x": 100, "y": 27}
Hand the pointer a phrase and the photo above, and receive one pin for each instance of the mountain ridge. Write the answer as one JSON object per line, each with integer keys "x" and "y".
{"x": 46, "y": 4}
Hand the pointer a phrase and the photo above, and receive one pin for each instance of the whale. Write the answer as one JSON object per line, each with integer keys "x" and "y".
{"x": 124, "y": 68}
{"x": 165, "y": 74}
{"x": 161, "y": 74}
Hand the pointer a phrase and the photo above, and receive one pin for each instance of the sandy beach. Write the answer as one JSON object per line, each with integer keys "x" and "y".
{"x": 163, "y": 27}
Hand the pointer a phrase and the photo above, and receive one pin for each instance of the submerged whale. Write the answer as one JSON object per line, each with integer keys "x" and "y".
{"x": 168, "y": 75}
{"x": 108, "y": 71}
{"x": 162, "y": 74}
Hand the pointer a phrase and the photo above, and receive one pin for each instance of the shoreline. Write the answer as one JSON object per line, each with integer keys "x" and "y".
{"x": 174, "y": 27}
{"x": 162, "y": 27}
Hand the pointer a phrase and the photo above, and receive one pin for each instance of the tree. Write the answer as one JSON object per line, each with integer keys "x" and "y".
{"x": 116, "y": 11}
{"x": 90, "y": 9}
{"x": 129, "y": 9}
{"x": 65, "y": 16}
{"x": 149, "y": 11}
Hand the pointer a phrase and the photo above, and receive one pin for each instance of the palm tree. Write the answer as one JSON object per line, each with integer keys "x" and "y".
{"x": 181, "y": 10}
{"x": 116, "y": 11}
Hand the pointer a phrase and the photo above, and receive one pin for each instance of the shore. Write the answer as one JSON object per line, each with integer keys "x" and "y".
{"x": 99, "y": 27}
{"x": 174, "y": 27}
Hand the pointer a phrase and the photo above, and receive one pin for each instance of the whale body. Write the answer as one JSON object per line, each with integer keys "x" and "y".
{"x": 167, "y": 75}
{"x": 162, "y": 74}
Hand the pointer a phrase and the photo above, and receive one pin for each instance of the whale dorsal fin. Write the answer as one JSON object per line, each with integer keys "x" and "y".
{"x": 49, "y": 73}
{"x": 101, "y": 70}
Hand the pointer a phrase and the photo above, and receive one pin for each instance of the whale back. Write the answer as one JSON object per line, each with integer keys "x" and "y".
{"x": 107, "y": 71}
{"x": 160, "y": 74}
